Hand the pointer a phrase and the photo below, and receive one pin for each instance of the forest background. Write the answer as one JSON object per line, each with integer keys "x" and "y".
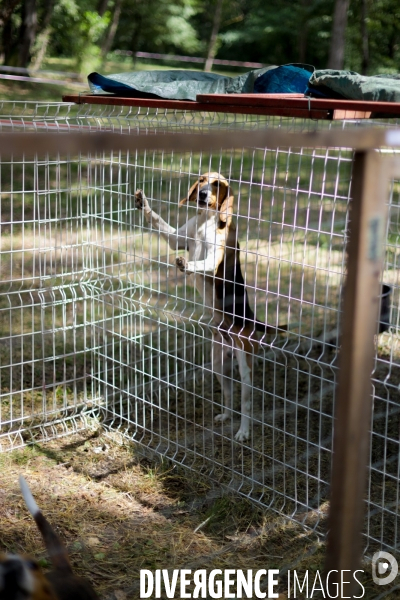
{"x": 104, "y": 35}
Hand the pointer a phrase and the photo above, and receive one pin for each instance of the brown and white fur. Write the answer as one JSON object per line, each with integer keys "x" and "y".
{"x": 21, "y": 577}
{"x": 210, "y": 237}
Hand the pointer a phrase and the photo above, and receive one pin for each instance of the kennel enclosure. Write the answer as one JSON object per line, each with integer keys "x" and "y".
{"x": 97, "y": 323}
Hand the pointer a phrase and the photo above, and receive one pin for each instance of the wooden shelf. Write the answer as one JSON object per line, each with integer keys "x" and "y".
{"x": 284, "y": 105}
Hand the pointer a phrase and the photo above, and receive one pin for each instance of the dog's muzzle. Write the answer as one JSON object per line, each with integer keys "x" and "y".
{"x": 204, "y": 195}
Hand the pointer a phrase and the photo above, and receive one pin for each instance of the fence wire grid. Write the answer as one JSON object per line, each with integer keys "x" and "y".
{"x": 96, "y": 320}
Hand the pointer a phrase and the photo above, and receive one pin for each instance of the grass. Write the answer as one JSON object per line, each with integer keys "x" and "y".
{"x": 119, "y": 64}
{"x": 15, "y": 91}
{"x": 118, "y": 513}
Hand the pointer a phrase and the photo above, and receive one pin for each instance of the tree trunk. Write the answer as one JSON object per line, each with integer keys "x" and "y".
{"x": 7, "y": 46}
{"x": 303, "y": 34}
{"x": 303, "y": 43}
{"x": 336, "y": 53}
{"x": 212, "y": 45}
{"x": 27, "y": 32}
{"x": 102, "y": 7}
{"x": 48, "y": 12}
{"x": 364, "y": 37}
{"x": 6, "y": 27}
{"x": 43, "y": 40}
{"x": 108, "y": 42}
{"x": 44, "y": 34}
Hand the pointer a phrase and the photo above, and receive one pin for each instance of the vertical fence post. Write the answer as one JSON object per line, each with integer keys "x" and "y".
{"x": 368, "y": 216}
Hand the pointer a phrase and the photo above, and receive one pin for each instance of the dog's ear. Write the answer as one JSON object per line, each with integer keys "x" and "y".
{"x": 192, "y": 190}
{"x": 226, "y": 208}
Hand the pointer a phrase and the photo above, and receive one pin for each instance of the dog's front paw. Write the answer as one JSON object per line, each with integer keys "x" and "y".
{"x": 140, "y": 200}
{"x": 242, "y": 435}
{"x": 181, "y": 263}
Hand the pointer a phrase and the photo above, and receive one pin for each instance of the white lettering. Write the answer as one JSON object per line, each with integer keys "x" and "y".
{"x": 305, "y": 583}
{"x": 272, "y": 583}
{"x": 200, "y": 579}
{"x": 184, "y": 583}
{"x": 317, "y": 579}
{"x": 215, "y": 587}
{"x": 359, "y": 583}
{"x": 146, "y": 577}
{"x": 336, "y": 585}
{"x": 157, "y": 587}
{"x": 343, "y": 582}
{"x": 170, "y": 587}
{"x": 258, "y": 593}
{"x": 243, "y": 584}
{"x": 228, "y": 582}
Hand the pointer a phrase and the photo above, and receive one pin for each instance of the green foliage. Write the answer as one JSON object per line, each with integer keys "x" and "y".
{"x": 159, "y": 26}
{"x": 91, "y": 28}
{"x": 81, "y": 18}
{"x": 179, "y": 33}
{"x": 274, "y": 32}
{"x": 383, "y": 28}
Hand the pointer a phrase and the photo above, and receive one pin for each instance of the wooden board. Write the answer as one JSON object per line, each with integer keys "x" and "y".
{"x": 32, "y": 143}
{"x": 270, "y": 101}
{"x": 370, "y": 188}
{"x": 280, "y": 109}
{"x": 283, "y": 105}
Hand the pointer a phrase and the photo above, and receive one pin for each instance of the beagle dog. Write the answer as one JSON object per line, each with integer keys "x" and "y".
{"x": 214, "y": 263}
{"x": 21, "y": 577}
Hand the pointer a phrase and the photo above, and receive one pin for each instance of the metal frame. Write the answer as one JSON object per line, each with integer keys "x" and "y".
{"x": 372, "y": 173}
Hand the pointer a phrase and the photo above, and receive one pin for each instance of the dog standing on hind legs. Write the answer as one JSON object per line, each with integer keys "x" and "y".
{"x": 214, "y": 262}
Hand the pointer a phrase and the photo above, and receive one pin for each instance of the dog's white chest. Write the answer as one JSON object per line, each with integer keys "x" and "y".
{"x": 205, "y": 238}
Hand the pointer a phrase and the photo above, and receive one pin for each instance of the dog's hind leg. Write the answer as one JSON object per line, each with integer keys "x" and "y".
{"x": 244, "y": 353}
{"x": 222, "y": 365}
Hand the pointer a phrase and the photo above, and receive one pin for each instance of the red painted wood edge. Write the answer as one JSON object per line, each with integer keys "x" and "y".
{"x": 271, "y": 100}
{"x": 295, "y": 105}
{"x": 279, "y": 110}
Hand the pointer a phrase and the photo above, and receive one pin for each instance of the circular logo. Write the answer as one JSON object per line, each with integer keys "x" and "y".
{"x": 384, "y": 568}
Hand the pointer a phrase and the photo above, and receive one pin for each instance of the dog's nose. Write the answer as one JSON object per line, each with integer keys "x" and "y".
{"x": 203, "y": 195}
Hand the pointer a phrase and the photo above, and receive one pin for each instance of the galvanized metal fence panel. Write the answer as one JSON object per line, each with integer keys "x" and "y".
{"x": 96, "y": 321}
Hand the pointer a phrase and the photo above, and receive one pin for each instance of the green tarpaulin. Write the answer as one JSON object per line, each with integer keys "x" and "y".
{"x": 176, "y": 85}
{"x": 186, "y": 85}
{"x": 351, "y": 85}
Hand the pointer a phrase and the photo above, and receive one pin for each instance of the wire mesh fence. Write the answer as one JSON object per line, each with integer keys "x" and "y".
{"x": 96, "y": 320}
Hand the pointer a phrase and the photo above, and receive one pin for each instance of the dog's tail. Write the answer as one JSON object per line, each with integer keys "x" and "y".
{"x": 57, "y": 552}
{"x": 265, "y": 329}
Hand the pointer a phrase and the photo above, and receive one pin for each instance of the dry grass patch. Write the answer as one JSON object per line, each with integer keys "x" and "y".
{"x": 118, "y": 513}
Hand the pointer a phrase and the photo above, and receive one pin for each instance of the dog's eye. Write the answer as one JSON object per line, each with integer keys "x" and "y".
{"x": 201, "y": 180}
